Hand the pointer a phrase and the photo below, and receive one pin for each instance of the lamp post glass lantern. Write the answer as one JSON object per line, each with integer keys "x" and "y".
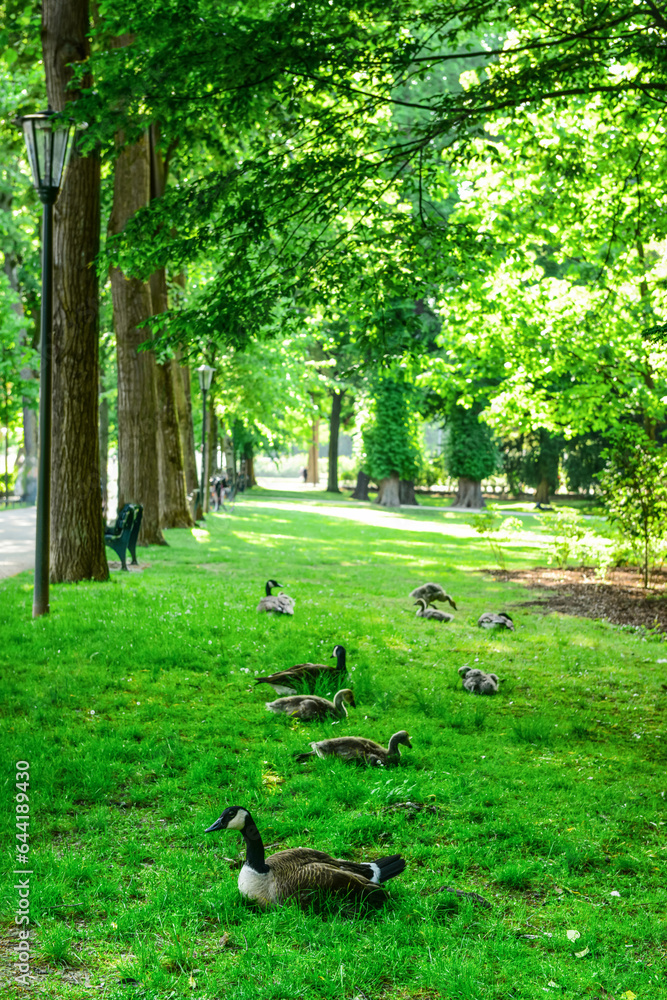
{"x": 49, "y": 147}
{"x": 205, "y": 373}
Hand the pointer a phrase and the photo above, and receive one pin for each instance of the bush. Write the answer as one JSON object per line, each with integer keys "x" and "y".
{"x": 635, "y": 494}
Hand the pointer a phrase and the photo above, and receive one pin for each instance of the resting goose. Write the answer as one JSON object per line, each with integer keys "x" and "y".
{"x": 301, "y": 872}
{"x": 501, "y": 620}
{"x": 431, "y": 592}
{"x": 423, "y": 611}
{"x": 305, "y": 674}
{"x": 477, "y": 682}
{"x": 280, "y": 603}
{"x": 359, "y": 749}
{"x": 311, "y": 706}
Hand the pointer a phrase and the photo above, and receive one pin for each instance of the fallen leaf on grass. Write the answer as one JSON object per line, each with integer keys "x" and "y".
{"x": 580, "y": 954}
{"x": 573, "y": 935}
{"x": 552, "y": 984}
{"x": 224, "y": 939}
{"x": 192, "y": 982}
{"x": 628, "y": 995}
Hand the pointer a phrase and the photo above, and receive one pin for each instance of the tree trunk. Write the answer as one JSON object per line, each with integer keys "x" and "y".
{"x": 138, "y": 480}
{"x": 174, "y": 511}
{"x": 28, "y": 475}
{"x": 313, "y": 475}
{"x": 212, "y": 436}
{"x": 186, "y": 428}
{"x": 104, "y": 453}
{"x": 406, "y": 492}
{"x": 361, "y": 489}
{"x": 77, "y": 539}
{"x": 389, "y": 491}
{"x": 542, "y": 491}
{"x": 469, "y": 494}
{"x": 249, "y": 457}
{"x": 334, "y": 429}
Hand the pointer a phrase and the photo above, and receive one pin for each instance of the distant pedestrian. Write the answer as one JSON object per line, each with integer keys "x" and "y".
{"x": 304, "y": 475}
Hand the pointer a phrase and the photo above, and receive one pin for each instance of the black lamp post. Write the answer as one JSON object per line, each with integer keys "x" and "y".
{"x": 205, "y": 373}
{"x": 49, "y": 147}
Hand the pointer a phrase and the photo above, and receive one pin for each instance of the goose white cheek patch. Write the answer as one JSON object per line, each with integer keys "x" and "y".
{"x": 239, "y": 820}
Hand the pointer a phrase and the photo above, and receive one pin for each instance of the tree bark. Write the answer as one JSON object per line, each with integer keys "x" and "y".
{"x": 77, "y": 539}
{"x": 174, "y": 511}
{"x": 104, "y": 453}
{"x": 406, "y": 492}
{"x": 469, "y": 494}
{"x": 542, "y": 491}
{"x": 186, "y": 428}
{"x": 334, "y": 430}
{"x": 313, "y": 475}
{"x": 361, "y": 489}
{"x": 28, "y": 475}
{"x": 389, "y": 495}
{"x": 249, "y": 459}
{"x": 138, "y": 480}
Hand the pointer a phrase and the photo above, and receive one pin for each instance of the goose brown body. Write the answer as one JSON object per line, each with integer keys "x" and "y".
{"x": 359, "y": 749}
{"x": 500, "y": 620}
{"x": 423, "y": 611}
{"x": 303, "y": 873}
{"x": 311, "y": 706}
{"x": 477, "y": 682}
{"x": 431, "y": 592}
{"x": 305, "y": 675}
{"x": 280, "y": 604}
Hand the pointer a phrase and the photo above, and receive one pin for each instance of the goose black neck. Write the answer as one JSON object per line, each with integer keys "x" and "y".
{"x": 340, "y": 659}
{"x": 254, "y": 848}
{"x": 268, "y": 589}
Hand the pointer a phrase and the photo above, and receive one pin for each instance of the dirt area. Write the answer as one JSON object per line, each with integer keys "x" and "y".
{"x": 620, "y": 599}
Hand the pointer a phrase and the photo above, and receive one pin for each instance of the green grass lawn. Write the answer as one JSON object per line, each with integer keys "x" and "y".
{"x": 134, "y": 704}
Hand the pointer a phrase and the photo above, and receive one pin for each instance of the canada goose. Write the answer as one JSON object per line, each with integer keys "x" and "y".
{"x": 501, "y": 620}
{"x": 280, "y": 603}
{"x": 359, "y": 749}
{"x": 305, "y": 674}
{"x": 302, "y": 872}
{"x": 431, "y": 592}
{"x": 477, "y": 682}
{"x": 423, "y": 611}
{"x": 311, "y": 706}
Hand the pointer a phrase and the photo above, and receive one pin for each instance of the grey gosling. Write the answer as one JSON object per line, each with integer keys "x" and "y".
{"x": 303, "y": 873}
{"x": 501, "y": 620}
{"x": 423, "y": 611}
{"x": 305, "y": 674}
{"x": 432, "y": 592}
{"x": 477, "y": 682}
{"x": 280, "y": 603}
{"x": 311, "y": 706}
{"x": 359, "y": 749}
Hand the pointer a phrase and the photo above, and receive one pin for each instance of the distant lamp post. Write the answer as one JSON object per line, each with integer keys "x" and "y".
{"x": 205, "y": 373}
{"x": 49, "y": 146}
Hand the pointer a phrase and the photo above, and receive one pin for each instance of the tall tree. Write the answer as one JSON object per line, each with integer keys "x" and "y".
{"x": 77, "y": 542}
{"x": 174, "y": 512}
{"x": 138, "y": 479}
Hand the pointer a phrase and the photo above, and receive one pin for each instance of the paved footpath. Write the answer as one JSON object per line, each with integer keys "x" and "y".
{"x": 17, "y": 540}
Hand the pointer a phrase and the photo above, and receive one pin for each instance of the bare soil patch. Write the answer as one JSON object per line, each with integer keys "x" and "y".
{"x": 620, "y": 599}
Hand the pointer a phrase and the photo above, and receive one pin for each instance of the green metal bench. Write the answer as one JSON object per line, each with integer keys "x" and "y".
{"x": 124, "y": 533}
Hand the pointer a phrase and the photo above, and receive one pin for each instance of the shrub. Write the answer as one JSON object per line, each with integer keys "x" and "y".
{"x": 635, "y": 493}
